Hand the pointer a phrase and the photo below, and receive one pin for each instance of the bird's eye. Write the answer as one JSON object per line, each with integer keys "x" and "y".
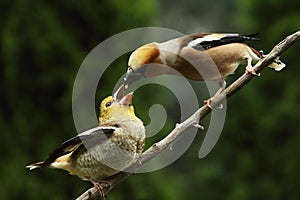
{"x": 107, "y": 104}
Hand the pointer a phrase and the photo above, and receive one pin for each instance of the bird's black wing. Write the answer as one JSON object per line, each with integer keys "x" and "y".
{"x": 88, "y": 138}
{"x": 213, "y": 40}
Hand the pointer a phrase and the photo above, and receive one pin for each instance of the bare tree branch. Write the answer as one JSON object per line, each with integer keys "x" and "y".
{"x": 155, "y": 149}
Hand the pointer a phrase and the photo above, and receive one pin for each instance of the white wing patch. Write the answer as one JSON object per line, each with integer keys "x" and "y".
{"x": 94, "y": 130}
{"x": 210, "y": 38}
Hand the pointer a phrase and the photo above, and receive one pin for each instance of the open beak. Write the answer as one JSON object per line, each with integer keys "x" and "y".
{"x": 119, "y": 94}
{"x": 127, "y": 99}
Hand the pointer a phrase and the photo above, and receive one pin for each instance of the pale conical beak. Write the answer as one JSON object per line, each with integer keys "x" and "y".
{"x": 119, "y": 94}
{"x": 127, "y": 100}
{"x": 132, "y": 76}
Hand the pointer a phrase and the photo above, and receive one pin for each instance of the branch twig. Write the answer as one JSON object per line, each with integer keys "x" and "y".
{"x": 155, "y": 149}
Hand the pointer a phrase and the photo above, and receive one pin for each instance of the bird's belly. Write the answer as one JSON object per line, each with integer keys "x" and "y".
{"x": 196, "y": 67}
{"x": 212, "y": 64}
{"x": 102, "y": 161}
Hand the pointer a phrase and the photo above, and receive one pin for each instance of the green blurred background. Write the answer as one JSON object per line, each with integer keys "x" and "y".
{"x": 42, "y": 47}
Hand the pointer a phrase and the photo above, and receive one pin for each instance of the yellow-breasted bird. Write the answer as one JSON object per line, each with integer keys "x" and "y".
{"x": 103, "y": 151}
{"x": 195, "y": 57}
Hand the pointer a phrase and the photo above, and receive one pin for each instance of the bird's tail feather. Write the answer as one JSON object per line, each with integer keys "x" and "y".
{"x": 252, "y": 36}
{"x": 37, "y": 165}
{"x": 277, "y": 65}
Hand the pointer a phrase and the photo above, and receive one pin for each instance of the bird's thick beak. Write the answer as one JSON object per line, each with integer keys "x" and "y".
{"x": 127, "y": 100}
{"x": 119, "y": 94}
{"x": 132, "y": 76}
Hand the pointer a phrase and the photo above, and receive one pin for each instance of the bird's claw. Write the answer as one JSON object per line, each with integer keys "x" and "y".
{"x": 99, "y": 187}
{"x": 249, "y": 70}
{"x": 261, "y": 54}
{"x": 140, "y": 162}
{"x": 208, "y": 102}
{"x": 199, "y": 126}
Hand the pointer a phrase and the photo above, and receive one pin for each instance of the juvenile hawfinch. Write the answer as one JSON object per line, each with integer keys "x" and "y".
{"x": 203, "y": 56}
{"x": 101, "y": 152}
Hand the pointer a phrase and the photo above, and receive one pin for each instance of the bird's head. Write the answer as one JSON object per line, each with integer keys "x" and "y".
{"x": 116, "y": 108}
{"x": 138, "y": 60}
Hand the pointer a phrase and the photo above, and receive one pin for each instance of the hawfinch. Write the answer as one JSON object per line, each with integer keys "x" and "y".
{"x": 103, "y": 151}
{"x": 203, "y": 56}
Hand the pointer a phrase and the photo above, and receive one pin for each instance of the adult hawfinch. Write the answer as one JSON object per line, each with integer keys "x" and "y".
{"x": 203, "y": 56}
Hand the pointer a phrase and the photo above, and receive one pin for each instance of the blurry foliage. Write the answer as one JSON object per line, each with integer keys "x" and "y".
{"x": 42, "y": 47}
{"x": 194, "y": 16}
